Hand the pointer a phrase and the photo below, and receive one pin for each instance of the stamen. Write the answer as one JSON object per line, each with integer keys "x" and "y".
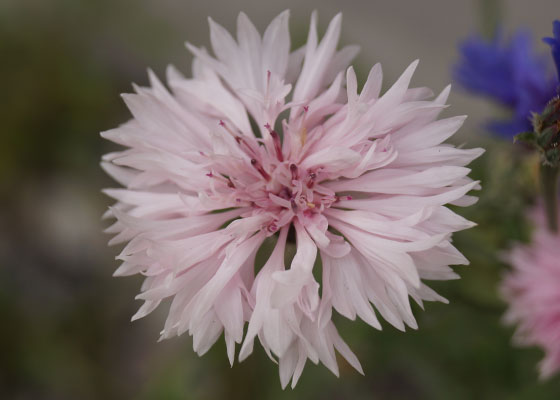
{"x": 227, "y": 128}
{"x": 259, "y": 168}
{"x": 242, "y": 142}
{"x": 239, "y": 139}
{"x": 224, "y": 179}
{"x": 294, "y": 171}
{"x": 294, "y": 206}
{"x": 276, "y": 141}
{"x": 311, "y": 181}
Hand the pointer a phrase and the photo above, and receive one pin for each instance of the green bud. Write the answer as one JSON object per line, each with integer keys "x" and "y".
{"x": 546, "y": 135}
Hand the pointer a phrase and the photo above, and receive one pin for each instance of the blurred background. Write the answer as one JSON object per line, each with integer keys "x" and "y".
{"x": 66, "y": 330}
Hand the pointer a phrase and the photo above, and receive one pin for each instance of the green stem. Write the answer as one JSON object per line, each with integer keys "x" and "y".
{"x": 549, "y": 187}
{"x": 490, "y": 12}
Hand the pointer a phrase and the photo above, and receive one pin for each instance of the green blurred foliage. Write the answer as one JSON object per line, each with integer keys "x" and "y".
{"x": 66, "y": 331}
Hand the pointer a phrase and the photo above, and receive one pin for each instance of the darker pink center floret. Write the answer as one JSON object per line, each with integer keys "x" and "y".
{"x": 268, "y": 182}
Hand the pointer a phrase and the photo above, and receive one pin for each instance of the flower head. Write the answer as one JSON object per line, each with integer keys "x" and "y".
{"x": 360, "y": 180}
{"x": 532, "y": 291}
{"x": 510, "y": 73}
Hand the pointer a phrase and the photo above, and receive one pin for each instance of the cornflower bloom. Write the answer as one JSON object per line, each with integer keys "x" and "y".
{"x": 510, "y": 73}
{"x": 266, "y": 144}
{"x": 532, "y": 290}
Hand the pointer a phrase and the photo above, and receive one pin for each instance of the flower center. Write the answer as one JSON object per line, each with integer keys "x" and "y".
{"x": 290, "y": 192}
{"x": 271, "y": 183}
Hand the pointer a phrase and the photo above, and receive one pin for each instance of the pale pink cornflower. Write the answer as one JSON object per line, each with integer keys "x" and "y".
{"x": 532, "y": 290}
{"x": 265, "y": 144}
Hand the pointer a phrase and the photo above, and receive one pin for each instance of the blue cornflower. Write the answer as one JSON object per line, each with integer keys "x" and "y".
{"x": 510, "y": 73}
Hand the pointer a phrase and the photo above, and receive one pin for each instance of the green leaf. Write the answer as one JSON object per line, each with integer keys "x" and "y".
{"x": 529, "y": 138}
